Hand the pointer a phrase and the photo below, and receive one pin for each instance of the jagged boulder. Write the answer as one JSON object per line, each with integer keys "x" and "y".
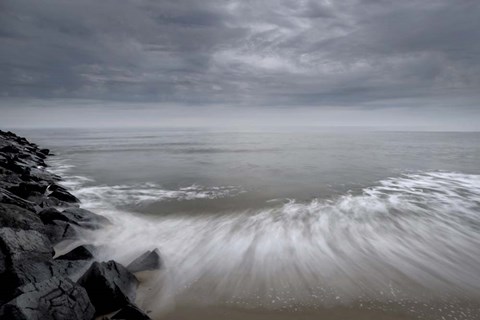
{"x": 57, "y": 298}
{"x": 63, "y": 195}
{"x": 25, "y": 244}
{"x": 150, "y": 260}
{"x": 84, "y": 252}
{"x": 25, "y": 189}
{"x": 72, "y": 269}
{"x": 57, "y": 226}
{"x": 10, "y": 198}
{"x": 15, "y": 217}
{"x": 26, "y": 255}
{"x": 131, "y": 312}
{"x": 84, "y": 218}
{"x": 61, "y": 225}
{"x": 109, "y": 285}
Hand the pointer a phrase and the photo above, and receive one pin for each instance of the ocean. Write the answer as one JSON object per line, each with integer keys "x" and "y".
{"x": 285, "y": 224}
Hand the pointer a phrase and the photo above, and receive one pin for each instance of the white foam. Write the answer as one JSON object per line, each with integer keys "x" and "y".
{"x": 413, "y": 236}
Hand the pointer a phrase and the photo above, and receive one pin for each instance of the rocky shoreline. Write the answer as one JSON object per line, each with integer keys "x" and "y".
{"x": 37, "y": 214}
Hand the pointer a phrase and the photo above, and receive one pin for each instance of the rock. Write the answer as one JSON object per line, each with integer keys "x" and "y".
{"x": 150, "y": 260}
{"x": 49, "y": 215}
{"x": 15, "y": 217}
{"x": 109, "y": 285}
{"x": 10, "y": 198}
{"x": 25, "y": 189}
{"x": 14, "y": 164}
{"x": 42, "y": 175}
{"x": 57, "y": 298}
{"x": 58, "y": 231}
{"x": 63, "y": 195}
{"x": 84, "y": 252}
{"x": 26, "y": 255}
{"x": 76, "y": 216}
{"x": 44, "y": 151}
{"x": 23, "y": 244}
{"x": 43, "y": 201}
{"x": 84, "y": 218}
{"x": 58, "y": 225}
{"x": 73, "y": 269}
{"x": 131, "y": 312}
{"x": 9, "y": 149}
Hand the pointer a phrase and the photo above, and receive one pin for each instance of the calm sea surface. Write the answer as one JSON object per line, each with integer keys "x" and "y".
{"x": 286, "y": 224}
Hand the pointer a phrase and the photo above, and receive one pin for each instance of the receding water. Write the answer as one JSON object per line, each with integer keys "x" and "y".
{"x": 286, "y": 224}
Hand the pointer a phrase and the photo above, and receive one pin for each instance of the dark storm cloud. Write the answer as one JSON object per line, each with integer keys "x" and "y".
{"x": 241, "y": 52}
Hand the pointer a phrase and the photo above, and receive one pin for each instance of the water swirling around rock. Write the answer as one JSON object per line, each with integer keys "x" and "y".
{"x": 410, "y": 241}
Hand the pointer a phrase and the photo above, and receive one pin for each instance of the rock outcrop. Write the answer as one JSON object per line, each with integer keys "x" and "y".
{"x": 109, "y": 285}
{"x": 150, "y": 260}
{"x": 36, "y": 213}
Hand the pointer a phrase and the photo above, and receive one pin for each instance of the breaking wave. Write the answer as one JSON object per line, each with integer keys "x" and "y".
{"x": 413, "y": 237}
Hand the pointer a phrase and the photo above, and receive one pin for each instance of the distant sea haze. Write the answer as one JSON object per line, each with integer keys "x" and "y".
{"x": 286, "y": 225}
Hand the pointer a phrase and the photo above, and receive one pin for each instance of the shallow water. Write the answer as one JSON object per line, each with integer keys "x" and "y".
{"x": 286, "y": 225}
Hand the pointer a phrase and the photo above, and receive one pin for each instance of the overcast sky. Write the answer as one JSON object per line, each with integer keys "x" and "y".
{"x": 314, "y": 62}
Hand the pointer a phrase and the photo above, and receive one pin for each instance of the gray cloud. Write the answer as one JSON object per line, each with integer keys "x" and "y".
{"x": 242, "y": 52}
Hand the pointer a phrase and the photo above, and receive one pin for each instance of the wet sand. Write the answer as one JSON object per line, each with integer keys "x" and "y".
{"x": 218, "y": 313}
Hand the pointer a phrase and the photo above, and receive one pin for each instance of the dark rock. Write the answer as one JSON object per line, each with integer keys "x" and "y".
{"x": 77, "y": 216}
{"x": 44, "y": 151}
{"x": 63, "y": 195}
{"x": 15, "y": 217}
{"x": 49, "y": 215}
{"x": 21, "y": 244}
{"x": 84, "y": 218}
{"x": 72, "y": 269}
{"x": 26, "y": 255}
{"x": 13, "y": 163}
{"x": 42, "y": 175}
{"x": 57, "y": 298}
{"x": 10, "y": 198}
{"x": 84, "y": 252}
{"x": 109, "y": 285}
{"x": 58, "y": 231}
{"x": 25, "y": 189}
{"x": 43, "y": 201}
{"x": 9, "y": 149}
{"x": 131, "y": 312}
{"x": 150, "y": 260}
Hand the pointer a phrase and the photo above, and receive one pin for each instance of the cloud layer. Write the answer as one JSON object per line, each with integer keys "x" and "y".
{"x": 243, "y": 52}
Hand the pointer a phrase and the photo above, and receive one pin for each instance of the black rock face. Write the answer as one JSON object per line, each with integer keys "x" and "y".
{"x": 26, "y": 253}
{"x": 57, "y": 225}
{"x": 57, "y": 298}
{"x": 15, "y": 217}
{"x": 84, "y": 252}
{"x": 109, "y": 285}
{"x": 63, "y": 195}
{"x": 10, "y": 198}
{"x": 77, "y": 216}
{"x": 150, "y": 260}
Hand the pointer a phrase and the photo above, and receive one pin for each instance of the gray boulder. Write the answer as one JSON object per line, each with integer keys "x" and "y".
{"x": 77, "y": 216}
{"x": 109, "y": 285}
{"x": 25, "y": 257}
{"x": 15, "y": 217}
{"x": 10, "y": 198}
{"x": 84, "y": 218}
{"x": 84, "y": 252}
{"x": 150, "y": 260}
{"x": 57, "y": 298}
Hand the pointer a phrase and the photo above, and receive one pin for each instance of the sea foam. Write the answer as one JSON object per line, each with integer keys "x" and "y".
{"x": 413, "y": 237}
